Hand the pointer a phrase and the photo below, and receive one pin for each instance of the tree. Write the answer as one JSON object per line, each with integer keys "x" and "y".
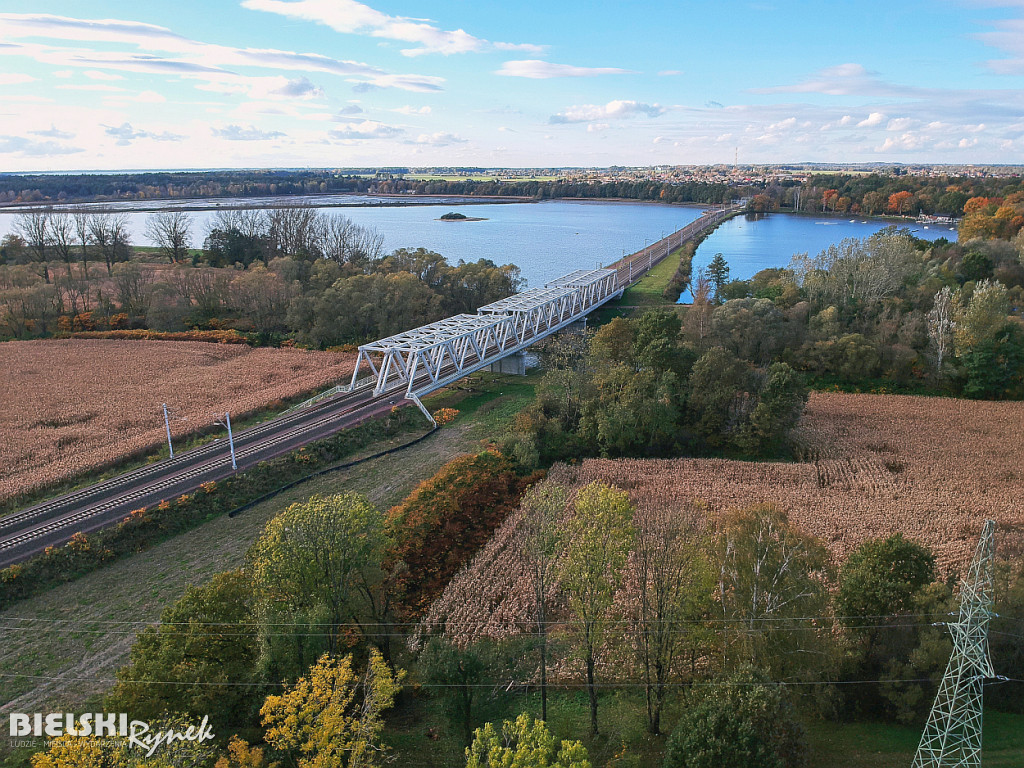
{"x": 719, "y": 401}
{"x": 770, "y": 573}
{"x": 745, "y": 721}
{"x": 880, "y": 579}
{"x": 899, "y": 202}
{"x": 62, "y": 236}
{"x": 320, "y": 560}
{"x": 134, "y": 289}
{"x": 941, "y": 326}
{"x": 110, "y": 233}
{"x": 995, "y": 367}
{"x": 718, "y": 272}
{"x": 35, "y": 228}
{"x": 170, "y": 232}
{"x": 242, "y": 755}
{"x": 523, "y": 743}
{"x": 333, "y": 718}
{"x": 70, "y": 751}
{"x": 469, "y": 680}
{"x": 670, "y": 600}
{"x": 542, "y": 507}
{"x": 698, "y": 316}
{"x": 780, "y": 403}
{"x": 596, "y": 540}
{"x": 206, "y": 645}
{"x": 980, "y": 317}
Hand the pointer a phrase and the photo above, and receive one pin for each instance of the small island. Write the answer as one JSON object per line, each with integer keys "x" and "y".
{"x": 452, "y": 216}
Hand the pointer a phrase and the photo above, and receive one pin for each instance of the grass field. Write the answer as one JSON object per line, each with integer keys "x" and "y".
{"x": 59, "y": 651}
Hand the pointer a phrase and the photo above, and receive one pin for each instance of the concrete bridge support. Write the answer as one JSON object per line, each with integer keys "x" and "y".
{"x": 514, "y": 364}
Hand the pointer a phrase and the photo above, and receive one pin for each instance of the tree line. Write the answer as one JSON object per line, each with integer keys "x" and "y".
{"x": 293, "y": 272}
{"x": 888, "y": 312}
{"x": 305, "y": 648}
{"x": 883, "y": 194}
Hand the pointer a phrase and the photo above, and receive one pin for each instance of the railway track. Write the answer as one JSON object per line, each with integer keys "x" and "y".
{"x": 25, "y": 533}
{"x": 54, "y": 522}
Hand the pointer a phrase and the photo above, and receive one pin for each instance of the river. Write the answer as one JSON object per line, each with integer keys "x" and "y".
{"x": 550, "y": 238}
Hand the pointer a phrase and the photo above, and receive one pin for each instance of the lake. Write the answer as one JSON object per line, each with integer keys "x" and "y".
{"x": 550, "y": 238}
{"x": 751, "y": 244}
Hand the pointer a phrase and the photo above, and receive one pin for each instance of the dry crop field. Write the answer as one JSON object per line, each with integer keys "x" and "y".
{"x": 69, "y": 406}
{"x": 932, "y": 468}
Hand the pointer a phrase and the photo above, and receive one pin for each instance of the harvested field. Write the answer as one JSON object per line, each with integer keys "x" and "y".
{"x": 70, "y": 406}
{"x": 932, "y": 468}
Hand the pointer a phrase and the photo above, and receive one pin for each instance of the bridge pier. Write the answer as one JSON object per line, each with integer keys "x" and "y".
{"x": 514, "y": 364}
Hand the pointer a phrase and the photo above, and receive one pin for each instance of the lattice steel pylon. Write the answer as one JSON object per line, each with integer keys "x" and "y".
{"x": 952, "y": 736}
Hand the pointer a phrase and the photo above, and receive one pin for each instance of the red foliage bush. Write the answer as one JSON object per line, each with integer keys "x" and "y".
{"x": 442, "y": 524}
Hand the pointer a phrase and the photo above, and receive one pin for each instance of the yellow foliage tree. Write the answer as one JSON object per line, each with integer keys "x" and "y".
{"x": 322, "y": 721}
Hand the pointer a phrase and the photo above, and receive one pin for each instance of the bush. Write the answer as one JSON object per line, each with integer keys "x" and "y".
{"x": 744, "y": 722}
{"x": 442, "y": 523}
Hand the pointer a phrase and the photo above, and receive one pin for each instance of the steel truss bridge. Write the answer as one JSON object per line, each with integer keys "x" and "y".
{"x": 437, "y": 354}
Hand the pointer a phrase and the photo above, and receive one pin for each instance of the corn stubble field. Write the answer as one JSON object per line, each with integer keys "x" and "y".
{"x": 872, "y": 465}
{"x": 74, "y": 405}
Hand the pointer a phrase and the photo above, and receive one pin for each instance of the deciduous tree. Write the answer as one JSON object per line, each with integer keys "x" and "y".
{"x": 596, "y": 540}
{"x": 333, "y": 717}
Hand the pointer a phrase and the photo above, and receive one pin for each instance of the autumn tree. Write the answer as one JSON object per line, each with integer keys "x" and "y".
{"x": 770, "y": 576}
{"x": 542, "y": 506}
{"x": 523, "y": 743}
{"x": 669, "y": 600}
{"x": 70, "y": 751}
{"x": 333, "y": 717}
{"x": 595, "y": 540}
{"x": 899, "y": 202}
{"x": 318, "y": 565}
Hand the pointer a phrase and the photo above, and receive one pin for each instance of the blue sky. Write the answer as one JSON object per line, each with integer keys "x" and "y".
{"x": 282, "y": 83}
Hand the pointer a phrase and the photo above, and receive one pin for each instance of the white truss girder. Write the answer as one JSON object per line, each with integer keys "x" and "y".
{"x": 434, "y": 355}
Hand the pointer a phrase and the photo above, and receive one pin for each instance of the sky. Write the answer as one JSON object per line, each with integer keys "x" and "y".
{"x": 166, "y": 84}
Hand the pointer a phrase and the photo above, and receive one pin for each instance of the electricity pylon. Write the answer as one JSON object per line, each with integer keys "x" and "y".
{"x": 952, "y": 736}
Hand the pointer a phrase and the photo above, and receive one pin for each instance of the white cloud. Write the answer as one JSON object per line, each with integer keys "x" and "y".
{"x": 543, "y": 70}
{"x": 597, "y": 127}
{"x": 188, "y": 56}
{"x": 367, "y": 129}
{"x": 409, "y": 110}
{"x": 150, "y": 97}
{"x": 19, "y": 145}
{"x": 300, "y": 88}
{"x": 439, "y": 139}
{"x": 899, "y": 124}
{"x": 126, "y": 134}
{"x": 252, "y": 133}
{"x": 63, "y": 73}
{"x": 350, "y": 17}
{"x": 875, "y": 118}
{"x": 53, "y": 133}
{"x": 613, "y": 110}
{"x": 12, "y": 78}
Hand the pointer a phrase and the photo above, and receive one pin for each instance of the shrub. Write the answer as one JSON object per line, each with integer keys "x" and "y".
{"x": 442, "y": 523}
{"x": 746, "y": 721}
